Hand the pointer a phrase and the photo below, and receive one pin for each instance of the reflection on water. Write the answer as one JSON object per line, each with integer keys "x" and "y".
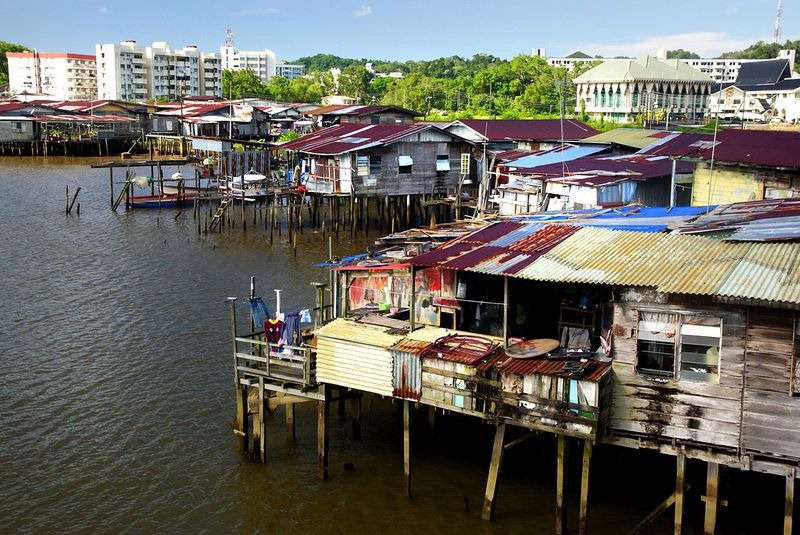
{"x": 117, "y": 393}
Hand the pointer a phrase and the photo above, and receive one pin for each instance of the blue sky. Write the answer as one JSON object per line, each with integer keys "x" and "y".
{"x": 401, "y": 29}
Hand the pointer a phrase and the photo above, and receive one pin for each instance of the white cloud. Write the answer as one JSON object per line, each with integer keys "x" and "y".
{"x": 103, "y": 10}
{"x": 363, "y": 11}
{"x": 732, "y": 11}
{"x": 706, "y": 44}
{"x": 257, "y": 12}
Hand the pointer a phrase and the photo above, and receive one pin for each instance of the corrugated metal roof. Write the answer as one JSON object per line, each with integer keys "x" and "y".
{"x": 637, "y": 138}
{"x": 350, "y": 331}
{"x": 593, "y": 370}
{"x": 349, "y": 137}
{"x": 527, "y": 129}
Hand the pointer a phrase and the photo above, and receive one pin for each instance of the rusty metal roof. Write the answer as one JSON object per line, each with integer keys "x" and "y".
{"x": 593, "y": 370}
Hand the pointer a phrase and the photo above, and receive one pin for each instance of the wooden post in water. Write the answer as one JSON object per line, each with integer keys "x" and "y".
{"x": 111, "y": 180}
{"x": 584, "y": 510}
{"x": 712, "y": 493}
{"x": 561, "y": 486}
{"x": 407, "y": 447}
{"x": 788, "y": 509}
{"x": 494, "y": 472}
{"x": 355, "y": 407}
{"x": 290, "y": 426}
{"x": 262, "y": 422}
{"x": 322, "y": 436}
{"x": 680, "y": 488}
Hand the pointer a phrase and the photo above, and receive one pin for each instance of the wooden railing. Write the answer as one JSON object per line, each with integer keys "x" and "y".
{"x": 274, "y": 362}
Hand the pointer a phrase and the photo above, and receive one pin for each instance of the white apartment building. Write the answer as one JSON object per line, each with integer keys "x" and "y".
{"x": 62, "y": 75}
{"x": 127, "y": 71}
{"x": 288, "y": 70}
{"x": 261, "y": 62}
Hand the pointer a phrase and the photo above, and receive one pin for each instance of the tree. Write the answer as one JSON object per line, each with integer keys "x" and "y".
{"x": 681, "y": 54}
{"x": 7, "y": 47}
{"x": 354, "y": 81}
{"x": 243, "y": 83}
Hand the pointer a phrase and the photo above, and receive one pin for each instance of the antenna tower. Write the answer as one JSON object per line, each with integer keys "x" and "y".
{"x": 229, "y": 37}
{"x": 777, "y": 36}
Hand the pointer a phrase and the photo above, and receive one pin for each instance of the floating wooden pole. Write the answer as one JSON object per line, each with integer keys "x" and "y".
{"x": 712, "y": 494}
{"x": 407, "y": 447}
{"x": 494, "y": 472}
{"x": 561, "y": 486}
{"x": 680, "y": 488}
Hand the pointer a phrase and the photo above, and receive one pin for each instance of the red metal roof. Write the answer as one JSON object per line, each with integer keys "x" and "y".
{"x": 349, "y": 137}
{"x": 503, "y": 248}
{"x": 356, "y": 109}
{"x": 529, "y": 130}
{"x": 601, "y": 171}
{"x": 593, "y": 370}
{"x": 746, "y": 147}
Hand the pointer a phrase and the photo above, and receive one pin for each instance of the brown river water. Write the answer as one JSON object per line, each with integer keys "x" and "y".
{"x": 117, "y": 395}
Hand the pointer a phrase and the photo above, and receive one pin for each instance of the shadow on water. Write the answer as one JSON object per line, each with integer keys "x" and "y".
{"x": 117, "y": 396}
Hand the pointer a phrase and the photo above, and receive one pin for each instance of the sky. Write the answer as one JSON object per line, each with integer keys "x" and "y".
{"x": 402, "y": 29}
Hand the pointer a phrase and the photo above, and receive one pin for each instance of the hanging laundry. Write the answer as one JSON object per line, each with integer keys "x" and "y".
{"x": 575, "y": 338}
{"x": 305, "y": 316}
{"x": 272, "y": 330}
{"x": 291, "y": 330}
{"x": 259, "y": 311}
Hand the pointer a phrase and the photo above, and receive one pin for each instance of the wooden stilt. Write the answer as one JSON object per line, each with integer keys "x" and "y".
{"x": 241, "y": 417}
{"x": 561, "y": 486}
{"x": 584, "y": 511}
{"x": 407, "y": 447}
{"x": 712, "y": 490}
{"x": 342, "y": 413}
{"x": 788, "y": 510}
{"x": 431, "y": 419}
{"x": 290, "y": 426}
{"x": 680, "y": 488}
{"x": 262, "y": 422}
{"x": 322, "y": 438}
{"x": 494, "y": 472}
{"x": 355, "y": 407}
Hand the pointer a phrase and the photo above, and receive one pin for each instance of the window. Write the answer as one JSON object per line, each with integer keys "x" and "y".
{"x": 682, "y": 346}
{"x": 375, "y": 164}
{"x": 362, "y": 165}
{"x": 442, "y": 162}
{"x": 405, "y": 163}
{"x": 465, "y": 159}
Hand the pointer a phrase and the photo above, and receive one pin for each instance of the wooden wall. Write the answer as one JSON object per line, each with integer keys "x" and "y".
{"x": 667, "y": 409}
{"x": 423, "y": 177}
{"x": 771, "y": 417}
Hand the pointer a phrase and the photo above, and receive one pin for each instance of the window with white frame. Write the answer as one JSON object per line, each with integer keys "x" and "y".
{"x": 465, "y": 159}
{"x": 683, "y": 346}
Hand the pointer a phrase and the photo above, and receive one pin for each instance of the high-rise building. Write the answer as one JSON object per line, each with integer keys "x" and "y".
{"x": 130, "y": 72}
{"x": 261, "y": 62}
{"x": 61, "y": 75}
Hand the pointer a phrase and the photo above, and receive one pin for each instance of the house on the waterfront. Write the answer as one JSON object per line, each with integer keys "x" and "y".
{"x": 383, "y": 159}
{"x": 738, "y": 165}
{"x": 334, "y": 114}
{"x": 619, "y": 90}
{"x": 67, "y": 121}
{"x": 526, "y": 134}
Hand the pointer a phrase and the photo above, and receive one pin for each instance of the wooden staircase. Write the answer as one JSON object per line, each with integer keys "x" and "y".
{"x": 217, "y": 217}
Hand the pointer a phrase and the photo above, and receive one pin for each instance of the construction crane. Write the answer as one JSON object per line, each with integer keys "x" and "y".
{"x": 777, "y": 36}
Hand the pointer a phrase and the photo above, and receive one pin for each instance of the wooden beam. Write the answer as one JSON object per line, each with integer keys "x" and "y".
{"x": 494, "y": 472}
{"x": 663, "y": 506}
{"x": 584, "y": 511}
{"x": 680, "y": 488}
{"x": 788, "y": 510}
{"x": 712, "y": 491}
{"x": 561, "y": 486}
{"x": 407, "y": 446}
